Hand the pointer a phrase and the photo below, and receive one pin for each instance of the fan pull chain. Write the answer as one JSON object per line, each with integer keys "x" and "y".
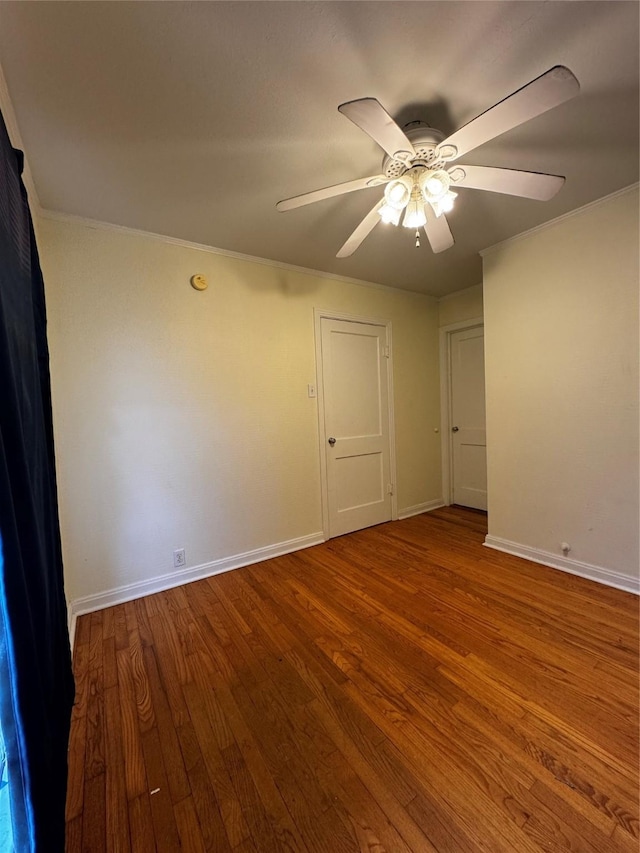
{"x": 417, "y": 239}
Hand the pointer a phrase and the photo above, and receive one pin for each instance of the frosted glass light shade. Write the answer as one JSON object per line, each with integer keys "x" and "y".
{"x": 390, "y": 215}
{"x": 414, "y": 215}
{"x": 397, "y": 193}
{"x": 444, "y": 205}
{"x": 447, "y": 202}
{"x": 434, "y": 184}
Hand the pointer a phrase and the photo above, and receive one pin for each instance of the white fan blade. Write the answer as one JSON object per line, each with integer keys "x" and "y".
{"x": 330, "y": 192}
{"x": 363, "y": 230}
{"x": 372, "y": 117}
{"x": 545, "y": 92}
{"x": 509, "y": 181}
{"x": 437, "y": 230}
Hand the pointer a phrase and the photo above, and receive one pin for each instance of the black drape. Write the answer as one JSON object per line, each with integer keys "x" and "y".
{"x": 36, "y": 686}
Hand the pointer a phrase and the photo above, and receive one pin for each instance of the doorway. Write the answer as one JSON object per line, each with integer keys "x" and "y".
{"x": 464, "y": 450}
{"x": 353, "y": 357}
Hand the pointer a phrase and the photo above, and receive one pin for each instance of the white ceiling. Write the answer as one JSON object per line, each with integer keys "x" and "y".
{"x": 193, "y": 119}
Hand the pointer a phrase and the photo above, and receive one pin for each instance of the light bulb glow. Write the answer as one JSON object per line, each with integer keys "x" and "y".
{"x": 414, "y": 215}
{"x": 447, "y": 202}
{"x": 397, "y": 194}
{"x": 390, "y": 215}
{"x": 444, "y": 205}
{"x": 435, "y": 184}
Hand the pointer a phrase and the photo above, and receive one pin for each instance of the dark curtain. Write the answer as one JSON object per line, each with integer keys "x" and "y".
{"x": 36, "y": 683}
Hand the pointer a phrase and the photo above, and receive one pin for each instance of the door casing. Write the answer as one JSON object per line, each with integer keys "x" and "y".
{"x": 445, "y": 402}
{"x": 319, "y": 314}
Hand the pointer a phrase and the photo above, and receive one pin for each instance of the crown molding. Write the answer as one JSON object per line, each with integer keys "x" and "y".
{"x": 459, "y": 292}
{"x": 571, "y": 213}
{"x": 213, "y": 250}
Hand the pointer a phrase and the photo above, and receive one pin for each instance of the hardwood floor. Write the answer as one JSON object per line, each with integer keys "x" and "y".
{"x": 399, "y": 689}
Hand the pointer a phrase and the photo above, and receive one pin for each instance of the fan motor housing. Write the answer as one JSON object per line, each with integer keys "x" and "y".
{"x": 424, "y": 139}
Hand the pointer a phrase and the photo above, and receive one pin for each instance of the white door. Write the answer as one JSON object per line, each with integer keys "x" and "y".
{"x": 468, "y": 430}
{"x": 356, "y": 424}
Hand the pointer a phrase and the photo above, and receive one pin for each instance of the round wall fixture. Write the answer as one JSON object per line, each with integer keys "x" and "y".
{"x": 199, "y": 282}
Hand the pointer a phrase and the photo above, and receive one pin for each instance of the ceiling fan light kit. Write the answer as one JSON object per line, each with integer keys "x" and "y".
{"x": 415, "y": 171}
{"x": 419, "y": 186}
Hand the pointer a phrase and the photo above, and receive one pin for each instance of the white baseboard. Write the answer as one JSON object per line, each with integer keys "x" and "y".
{"x": 420, "y": 508}
{"x": 574, "y": 567}
{"x": 128, "y": 592}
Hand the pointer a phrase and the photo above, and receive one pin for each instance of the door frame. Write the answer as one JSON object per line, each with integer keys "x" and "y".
{"x": 320, "y": 314}
{"x": 446, "y": 401}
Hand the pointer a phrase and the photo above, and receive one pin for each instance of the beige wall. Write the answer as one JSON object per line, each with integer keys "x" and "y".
{"x": 182, "y": 418}
{"x": 460, "y": 306}
{"x": 561, "y": 337}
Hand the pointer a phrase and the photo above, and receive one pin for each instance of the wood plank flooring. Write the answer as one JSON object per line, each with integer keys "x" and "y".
{"x": 399, "y": 689}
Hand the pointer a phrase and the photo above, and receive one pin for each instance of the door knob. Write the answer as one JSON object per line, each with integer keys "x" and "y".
{"x": 332, "y": 441}
{"x": 455, "y": 429}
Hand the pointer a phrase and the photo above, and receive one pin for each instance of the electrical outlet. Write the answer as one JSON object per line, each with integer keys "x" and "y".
{"x": 178, "y": 558}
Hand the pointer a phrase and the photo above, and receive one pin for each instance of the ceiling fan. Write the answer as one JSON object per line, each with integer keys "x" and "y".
{"x": 419, "y": 182}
